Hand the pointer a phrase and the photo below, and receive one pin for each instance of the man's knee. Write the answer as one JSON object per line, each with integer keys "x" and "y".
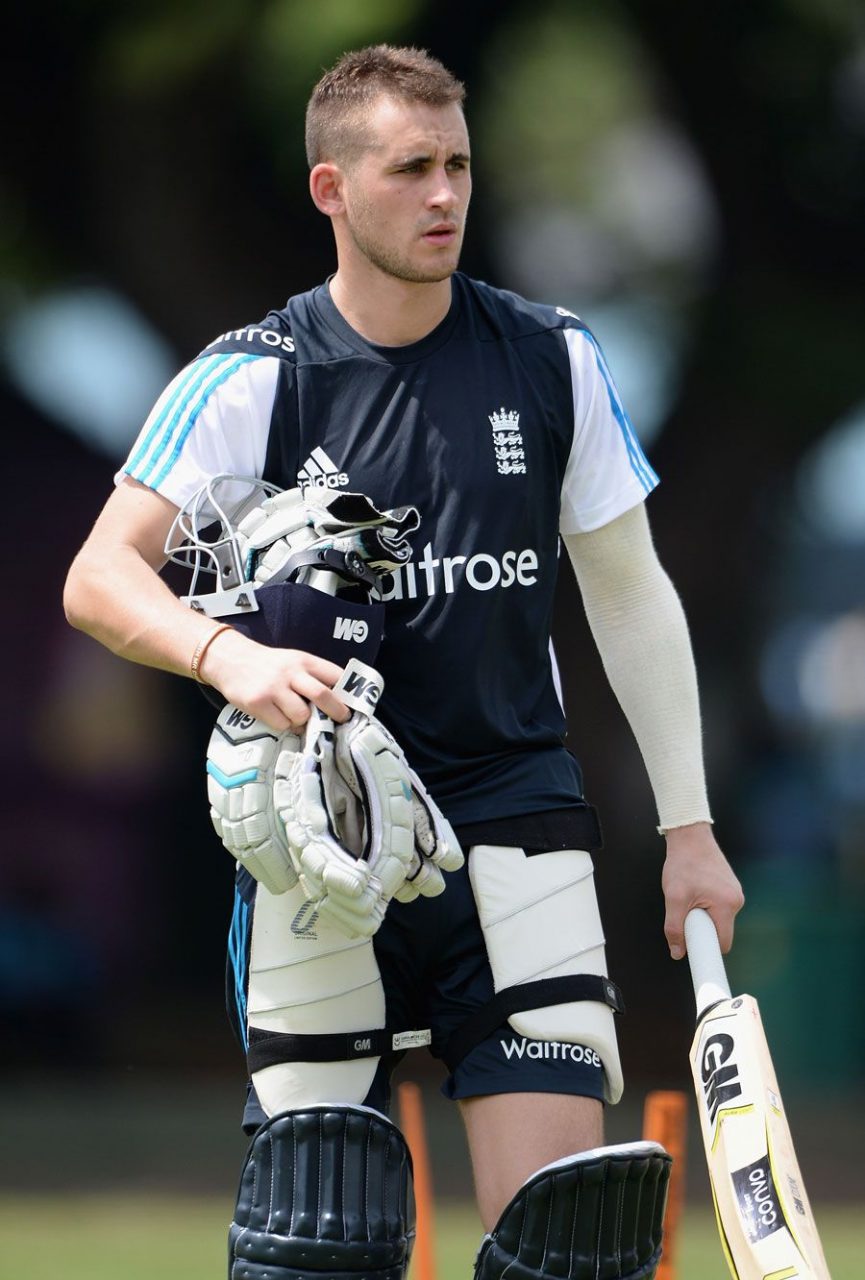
{"x": 512, "y": 1135}
{"x": 598, "y": 1214}
{"x": 326, "y": 1190}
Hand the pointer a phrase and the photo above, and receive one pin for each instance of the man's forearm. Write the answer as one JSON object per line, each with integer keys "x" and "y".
{"x": 640, "y": 629}
{"x": 115, "y": 594}
{"x": 127, "y": 607}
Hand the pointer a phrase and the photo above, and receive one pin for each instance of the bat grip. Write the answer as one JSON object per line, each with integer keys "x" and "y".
{"x": 704, "y": 956}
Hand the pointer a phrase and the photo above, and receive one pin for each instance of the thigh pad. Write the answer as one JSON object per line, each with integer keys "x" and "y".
{"x": 306, "y": 978}
{"x": 540, "y": 921}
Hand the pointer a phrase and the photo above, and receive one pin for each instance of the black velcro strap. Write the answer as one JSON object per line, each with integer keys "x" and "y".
{"x": 268, "y": 1048}
{"x": 528, "y": 995}
{"x": 572, "y": 828}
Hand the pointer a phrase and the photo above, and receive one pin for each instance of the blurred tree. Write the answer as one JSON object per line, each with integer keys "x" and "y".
{"x": 766, "y": 93}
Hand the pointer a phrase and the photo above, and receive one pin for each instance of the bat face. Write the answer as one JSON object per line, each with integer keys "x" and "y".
{"x": 764, "y": 1218}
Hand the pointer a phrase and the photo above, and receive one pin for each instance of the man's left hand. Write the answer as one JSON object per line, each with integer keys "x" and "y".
{"x": 696, "y": 874}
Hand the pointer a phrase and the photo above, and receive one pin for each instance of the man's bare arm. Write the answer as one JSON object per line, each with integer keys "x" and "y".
{"x": 114, "y": 593}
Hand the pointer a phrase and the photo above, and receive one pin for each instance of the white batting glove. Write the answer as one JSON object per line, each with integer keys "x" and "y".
{"x": 243, "y": 757}
{"x": 361, "y": 743}
{"x": 436, "y": 848}
{"x": 328, "y": 835}
{"x": 361, "y": 828}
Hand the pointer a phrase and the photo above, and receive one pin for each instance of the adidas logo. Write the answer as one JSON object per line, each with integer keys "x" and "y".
{"x": 318, "y": 472}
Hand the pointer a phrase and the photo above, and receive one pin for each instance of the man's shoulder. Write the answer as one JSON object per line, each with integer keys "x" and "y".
{"x": 299, "y": 333}
{"x": 510, "y": 315}
{"x": 272, "y": 336}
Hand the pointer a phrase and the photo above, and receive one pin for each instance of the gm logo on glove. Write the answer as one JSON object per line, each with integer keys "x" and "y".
{"x": 360, "y": 686}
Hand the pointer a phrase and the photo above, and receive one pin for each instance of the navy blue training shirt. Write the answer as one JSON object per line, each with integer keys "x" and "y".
{"x": 504, "y": 428}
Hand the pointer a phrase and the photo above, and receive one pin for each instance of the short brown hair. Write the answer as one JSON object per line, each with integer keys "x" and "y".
{"x": 334, "y": 125}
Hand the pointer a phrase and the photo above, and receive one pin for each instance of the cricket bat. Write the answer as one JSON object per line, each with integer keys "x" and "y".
{"x": 764, "y": 1218}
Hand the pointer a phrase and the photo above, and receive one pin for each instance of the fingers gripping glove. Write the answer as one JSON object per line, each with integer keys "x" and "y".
{"x": 361, "y": 829}
{"x": 243, "y": 755}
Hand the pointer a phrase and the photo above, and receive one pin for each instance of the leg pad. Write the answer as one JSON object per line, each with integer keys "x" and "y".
{"x": 593, "y": 1216}
{"x": 325, "y": 1193}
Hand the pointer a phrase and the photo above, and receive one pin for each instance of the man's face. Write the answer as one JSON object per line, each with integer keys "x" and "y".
{"x": 407, "y": 194}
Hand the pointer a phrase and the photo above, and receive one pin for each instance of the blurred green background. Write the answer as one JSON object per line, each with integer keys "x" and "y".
{"x": 688, "y": 179}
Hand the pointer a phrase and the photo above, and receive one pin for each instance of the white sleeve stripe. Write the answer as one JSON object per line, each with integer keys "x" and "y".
{"x": 639, "y": 463}
{"x": 179, "y": 413}
{"x": 175, "y": 453}
{"x": 167, "y": 402}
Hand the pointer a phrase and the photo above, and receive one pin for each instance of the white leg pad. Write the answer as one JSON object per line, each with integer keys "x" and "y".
{"x": 307, "y": 978}
{"x": 540, "y": 919}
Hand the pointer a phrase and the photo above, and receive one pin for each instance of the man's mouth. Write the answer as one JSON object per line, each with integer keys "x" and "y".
{"x": 441, "y": 233}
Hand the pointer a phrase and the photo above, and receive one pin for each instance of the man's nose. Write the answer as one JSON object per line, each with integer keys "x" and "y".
{"x": 442, "y": 194}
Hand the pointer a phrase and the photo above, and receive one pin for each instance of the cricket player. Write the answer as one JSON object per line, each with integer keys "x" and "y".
{"x": 497, "y": 418}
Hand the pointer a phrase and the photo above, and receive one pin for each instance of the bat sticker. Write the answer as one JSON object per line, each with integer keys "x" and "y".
{"x": 759, "y": 1202}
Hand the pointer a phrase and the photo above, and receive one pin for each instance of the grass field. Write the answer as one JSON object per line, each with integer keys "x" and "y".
{"x": 123, "y": 1237}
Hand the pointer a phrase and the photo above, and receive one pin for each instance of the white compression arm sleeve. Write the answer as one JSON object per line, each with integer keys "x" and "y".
{"x": 642, "y": 636}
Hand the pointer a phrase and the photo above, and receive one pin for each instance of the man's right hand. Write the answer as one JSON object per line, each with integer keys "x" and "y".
{"x": 276, "y": 686}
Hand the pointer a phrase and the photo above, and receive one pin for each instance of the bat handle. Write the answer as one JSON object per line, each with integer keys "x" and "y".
{"x": 704, "y": 956}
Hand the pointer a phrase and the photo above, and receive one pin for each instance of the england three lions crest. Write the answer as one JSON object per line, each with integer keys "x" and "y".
{"x": 508, "y": 442}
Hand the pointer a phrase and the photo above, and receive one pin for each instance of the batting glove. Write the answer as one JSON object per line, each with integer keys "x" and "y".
{"x": 361, "y": 828}
{"x": 243, "y": 758}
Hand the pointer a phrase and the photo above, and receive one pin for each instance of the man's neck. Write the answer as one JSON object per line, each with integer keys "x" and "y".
{"x": 387, "y": 311}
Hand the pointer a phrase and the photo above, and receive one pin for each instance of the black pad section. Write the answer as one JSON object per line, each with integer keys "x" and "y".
{"x": 594, "y": 1217}
{"x": 572, "y": 828}
{"x": 326, "y": 1192}
{"x": 528, "y": 995}
{"x": 292, "y": 615}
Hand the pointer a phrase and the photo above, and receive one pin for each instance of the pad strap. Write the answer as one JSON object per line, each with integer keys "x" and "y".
{"x": 270, "y": 1048}
{"x": 528, "y": 995}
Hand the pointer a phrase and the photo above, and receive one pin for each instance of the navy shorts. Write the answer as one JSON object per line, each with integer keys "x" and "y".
{"x": 435, "y": 972}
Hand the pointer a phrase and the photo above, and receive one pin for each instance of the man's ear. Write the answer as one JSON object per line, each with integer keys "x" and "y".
{"x": 325, "y": 187}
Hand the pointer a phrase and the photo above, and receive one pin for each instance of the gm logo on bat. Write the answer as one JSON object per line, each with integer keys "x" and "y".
{"x": 720, "y": 1076}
